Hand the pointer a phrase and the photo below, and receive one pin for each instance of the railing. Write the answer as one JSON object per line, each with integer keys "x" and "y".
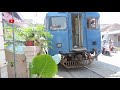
{"x": 9, "y": 41}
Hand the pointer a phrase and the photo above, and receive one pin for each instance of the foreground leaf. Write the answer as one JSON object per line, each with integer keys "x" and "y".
{"x": 44, "y": 66}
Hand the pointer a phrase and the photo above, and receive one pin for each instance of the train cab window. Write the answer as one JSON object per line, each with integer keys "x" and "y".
{"x": 58, "y": 23}
{"x": 93, "y": 23}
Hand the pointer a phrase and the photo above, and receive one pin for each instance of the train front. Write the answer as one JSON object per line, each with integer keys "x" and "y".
{"x": 76, "y": 36}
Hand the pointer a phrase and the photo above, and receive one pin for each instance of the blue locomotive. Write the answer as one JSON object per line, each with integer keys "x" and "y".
{"x": 76, "y": 36}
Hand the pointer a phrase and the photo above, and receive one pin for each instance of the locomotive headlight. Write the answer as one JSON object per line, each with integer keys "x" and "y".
{"x": 59, "y": 45}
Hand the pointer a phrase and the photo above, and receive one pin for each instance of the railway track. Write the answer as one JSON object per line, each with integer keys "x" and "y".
{"x": 94, "y": 72}
{"x": 83, "y": 72}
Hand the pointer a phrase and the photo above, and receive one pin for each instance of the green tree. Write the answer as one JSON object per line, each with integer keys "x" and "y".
{"x": 43, "y": 37}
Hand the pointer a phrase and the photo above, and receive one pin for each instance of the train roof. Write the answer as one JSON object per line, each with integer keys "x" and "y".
{"x": 56, "y": 13}
{"x": 93, "y": 14}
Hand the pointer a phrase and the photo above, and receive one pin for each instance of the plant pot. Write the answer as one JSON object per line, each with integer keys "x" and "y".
{"x": 29, "y": 43}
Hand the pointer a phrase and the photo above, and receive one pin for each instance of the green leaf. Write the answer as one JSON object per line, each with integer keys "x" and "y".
{"x": 44, "y": 66}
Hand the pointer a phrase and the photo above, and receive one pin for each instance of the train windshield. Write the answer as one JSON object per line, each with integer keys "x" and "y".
{"x": 93, "y": 23}
{"x": 57, "y": 23}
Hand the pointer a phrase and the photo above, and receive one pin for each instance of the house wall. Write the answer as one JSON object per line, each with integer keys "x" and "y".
{"x": 115, "y": 39}
{"x": 21, "y": 66}
{"x": 3, "y": 63}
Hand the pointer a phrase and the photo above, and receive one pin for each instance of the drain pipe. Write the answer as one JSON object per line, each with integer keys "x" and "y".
{"x": 14, "y": 45}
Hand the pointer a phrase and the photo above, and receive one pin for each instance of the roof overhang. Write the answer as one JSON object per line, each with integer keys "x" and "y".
{"x": 114, "y": 32}
{"x": 17, "y": 15}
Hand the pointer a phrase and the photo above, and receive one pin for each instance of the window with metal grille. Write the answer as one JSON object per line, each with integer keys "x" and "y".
{"x": 93, "y": 23}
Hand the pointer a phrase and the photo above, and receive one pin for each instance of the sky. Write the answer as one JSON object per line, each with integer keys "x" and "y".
{"x": 105, "y": 17}
{"x": 31, "y": 15}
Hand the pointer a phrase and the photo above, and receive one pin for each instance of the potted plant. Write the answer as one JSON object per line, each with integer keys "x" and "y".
{"x": 35, "y": 40}
{"x": 35, "y": 35}
{"x": 28, "y": 35}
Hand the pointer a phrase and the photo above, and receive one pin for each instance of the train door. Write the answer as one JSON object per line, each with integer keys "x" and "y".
{"x": 77, "y": 32}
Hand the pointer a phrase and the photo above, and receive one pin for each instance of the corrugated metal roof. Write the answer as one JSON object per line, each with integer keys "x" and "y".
{"x": 17, "y": 15}
{"x": 112, "y": 27}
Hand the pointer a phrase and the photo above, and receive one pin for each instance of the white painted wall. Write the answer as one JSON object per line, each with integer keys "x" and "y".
{"x": 114, "y": 37}
{"x": 3, "y": 63}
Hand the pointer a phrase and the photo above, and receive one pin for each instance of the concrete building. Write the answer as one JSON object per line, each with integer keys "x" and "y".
{"x": 113, "y": 32}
